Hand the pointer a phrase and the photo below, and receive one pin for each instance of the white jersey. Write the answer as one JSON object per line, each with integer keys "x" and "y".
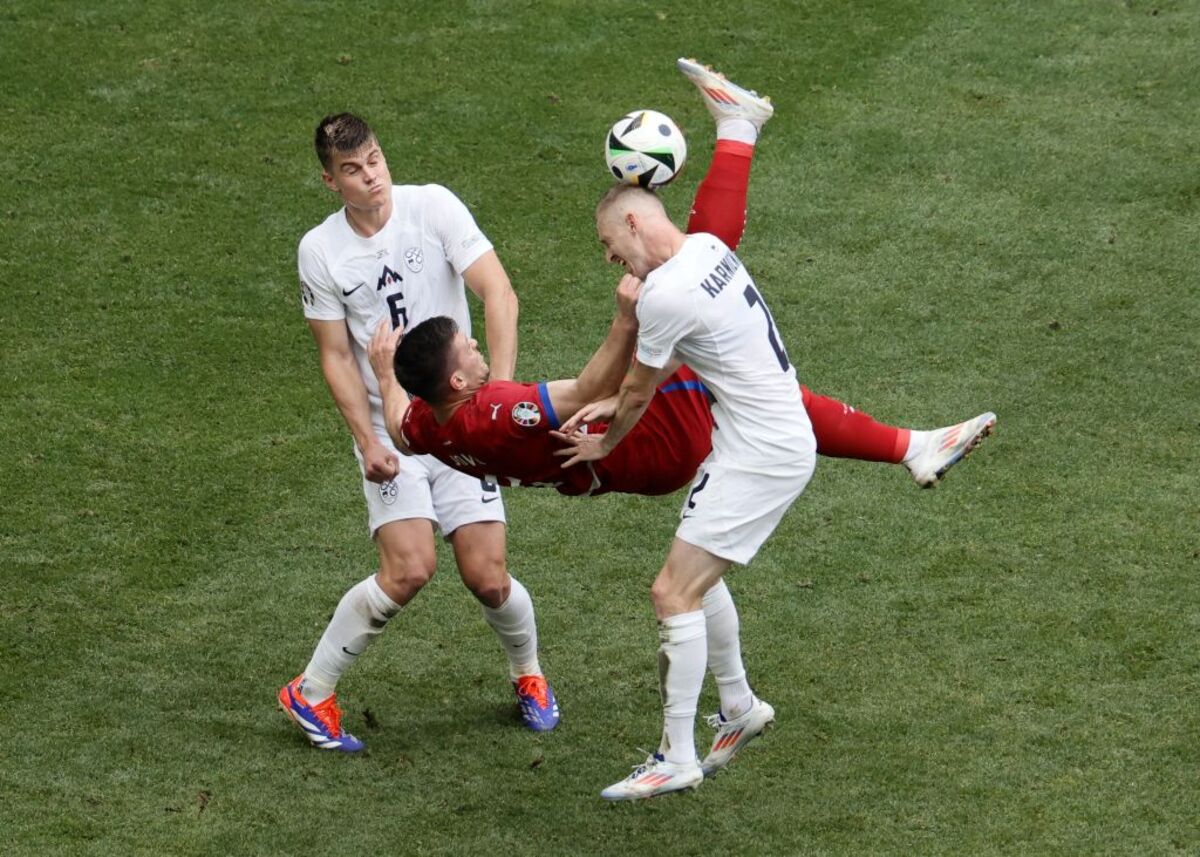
{"x": 408, "y": 271}
{"x": 703, "y": 308}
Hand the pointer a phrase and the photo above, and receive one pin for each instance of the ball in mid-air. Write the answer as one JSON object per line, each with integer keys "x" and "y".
{"x": 645, "y": 148}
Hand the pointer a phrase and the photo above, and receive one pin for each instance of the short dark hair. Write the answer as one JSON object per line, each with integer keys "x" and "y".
{"x": 342, "y": 132}
{"x": 423, "y": 356}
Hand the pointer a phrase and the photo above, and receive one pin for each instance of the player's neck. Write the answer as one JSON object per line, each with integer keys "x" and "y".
{"x": 444, "y": 412}
{"x": 666, "y": 245}
{"x": 368, "y": 221}
{"x": 675, "y": 242}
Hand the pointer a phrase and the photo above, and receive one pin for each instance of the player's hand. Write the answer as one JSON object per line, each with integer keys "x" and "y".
{"x": 379, "y": 463}
{"x": 581, "y": 447}
{"x": 627, "y": 296}
{"x": 596, "y": 412}
{"x": 382, "y": 350}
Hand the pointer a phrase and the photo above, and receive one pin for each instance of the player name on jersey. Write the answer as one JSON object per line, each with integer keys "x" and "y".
{"x": 721, "y": 274}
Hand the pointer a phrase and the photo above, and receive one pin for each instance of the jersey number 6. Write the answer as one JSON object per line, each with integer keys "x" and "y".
{"x": 398, "y": 310}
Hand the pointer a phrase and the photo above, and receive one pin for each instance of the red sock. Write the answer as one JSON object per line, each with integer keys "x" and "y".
{"x": 720, "y": 206}
{"x": 843, "y": 432}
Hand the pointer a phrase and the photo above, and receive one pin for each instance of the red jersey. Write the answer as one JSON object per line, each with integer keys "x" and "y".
{"x": 503, "y": 433}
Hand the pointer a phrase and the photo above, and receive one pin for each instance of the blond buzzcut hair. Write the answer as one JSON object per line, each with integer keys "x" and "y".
{"x": 622, "y": 197}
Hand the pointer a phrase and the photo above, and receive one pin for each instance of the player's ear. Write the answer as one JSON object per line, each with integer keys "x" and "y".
{"x": 457, "y": 381}
{"x": 329, "y": 182}
{"x": 631, "y": 222}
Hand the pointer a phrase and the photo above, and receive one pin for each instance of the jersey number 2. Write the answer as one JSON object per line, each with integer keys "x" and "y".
{"x": 753, "y": 297}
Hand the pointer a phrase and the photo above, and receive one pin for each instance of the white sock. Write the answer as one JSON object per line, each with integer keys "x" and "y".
{"x": 725, "y": 651}
{"x": 681, "y": 660}
{"x": 916, "y": 444}
{"x": 742, "y": 130}
{"x": 359, "y": 618}
{"x": 515, "y": 625}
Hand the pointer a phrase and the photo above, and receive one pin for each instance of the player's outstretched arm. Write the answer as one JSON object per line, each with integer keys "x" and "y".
{"x": 488, "y": 280}
{"x": 382, "y": 352}
{"x": 634, "y": 398}
{"x": 602, "y": 375}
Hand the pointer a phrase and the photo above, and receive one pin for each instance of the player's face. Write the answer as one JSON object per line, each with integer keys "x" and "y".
{"x": 360, "y": 178}
{"x": 623, "y": 246}
{"x": 469, "y": 364}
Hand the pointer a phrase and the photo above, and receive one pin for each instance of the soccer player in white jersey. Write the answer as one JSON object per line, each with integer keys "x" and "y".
{"x": 404, "y": 253}
{"x": 700, "y": 306}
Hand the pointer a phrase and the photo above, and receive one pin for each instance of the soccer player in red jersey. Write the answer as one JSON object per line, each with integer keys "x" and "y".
{"x": 505, "y": 430}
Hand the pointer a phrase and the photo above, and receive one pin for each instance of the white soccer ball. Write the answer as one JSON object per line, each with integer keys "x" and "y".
{"x": 645, "y": 148}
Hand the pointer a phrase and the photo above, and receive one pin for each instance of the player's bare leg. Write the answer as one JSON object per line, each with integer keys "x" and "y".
{"x": 480, "y": 550}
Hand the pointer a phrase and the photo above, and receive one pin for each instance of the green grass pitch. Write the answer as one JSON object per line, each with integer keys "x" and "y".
{"x": 958, "y": 207}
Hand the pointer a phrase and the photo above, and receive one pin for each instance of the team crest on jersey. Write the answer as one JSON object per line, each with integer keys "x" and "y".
{"x": 526, "y": 414}
{"x": 388, "y": 492}
{"x": 414, "y": 259}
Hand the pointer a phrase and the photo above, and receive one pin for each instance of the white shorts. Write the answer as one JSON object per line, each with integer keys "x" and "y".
{"x": 731, "y": 512}
{"x": 426, "y": 488}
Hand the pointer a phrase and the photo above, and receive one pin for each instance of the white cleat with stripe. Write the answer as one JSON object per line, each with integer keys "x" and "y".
{"x": 945, "y": 447}
{"x": 724, "y": 98}
{"x": 655, "y": 776}
{"x": 734, "y": 734}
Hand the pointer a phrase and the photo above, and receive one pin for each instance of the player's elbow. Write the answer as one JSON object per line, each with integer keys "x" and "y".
{"x": 504, "y": 298}
{"x": 335, "y": 360}
{"x": 635, "y": 396}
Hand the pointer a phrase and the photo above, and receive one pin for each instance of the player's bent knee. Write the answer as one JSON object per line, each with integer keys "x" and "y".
{"x": 488, "y": 580}
{"x": 675, "y": 591}
{"x": 402, "y": 574}
{"x": 665, "y": 595}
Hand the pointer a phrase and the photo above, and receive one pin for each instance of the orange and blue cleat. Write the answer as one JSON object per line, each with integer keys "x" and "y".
{"x": 320, "y": 723}
{"x": 539, "y": 708}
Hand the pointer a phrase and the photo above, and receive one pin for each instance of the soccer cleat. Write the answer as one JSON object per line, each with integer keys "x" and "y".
{"x": 733, "y": 735}
{"x": 655, "y": 776}
{"x": 945, "y": 447}
{"x": 320, "y": 723}
{"x": 539, "y": 708}
{"x": 724, "y": 98}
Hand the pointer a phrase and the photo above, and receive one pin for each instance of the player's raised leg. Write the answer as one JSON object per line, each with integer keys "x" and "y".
{"x": 846, "y": 432}
{"x": 720, "y": 204}
{"x": 843, "y": 431}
